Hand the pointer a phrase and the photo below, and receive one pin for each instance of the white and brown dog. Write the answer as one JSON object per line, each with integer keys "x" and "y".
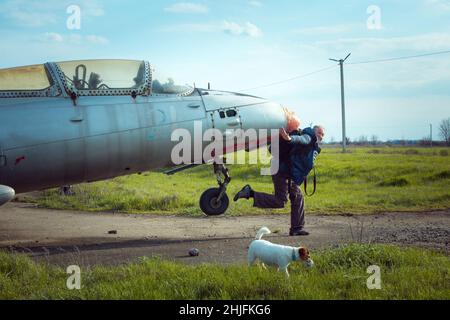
{"x": 275, "y": 254}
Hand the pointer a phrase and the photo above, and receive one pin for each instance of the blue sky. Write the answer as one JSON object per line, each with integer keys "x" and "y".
{"x": 243, "y": 44}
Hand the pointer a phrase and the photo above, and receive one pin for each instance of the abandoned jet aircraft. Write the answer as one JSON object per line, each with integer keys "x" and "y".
{"x": 70, "y": 122}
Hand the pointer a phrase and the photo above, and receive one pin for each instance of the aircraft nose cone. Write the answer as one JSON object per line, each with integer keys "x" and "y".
{"x": 271, "y": 115}
{"x": 6, "y": 194}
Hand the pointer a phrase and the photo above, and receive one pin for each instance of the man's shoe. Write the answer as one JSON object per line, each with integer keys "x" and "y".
{"x": 299, "y": 233}
{"x": 244, "y": 193}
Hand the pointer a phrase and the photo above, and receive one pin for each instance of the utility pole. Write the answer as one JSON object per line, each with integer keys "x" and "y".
{"x": 341, "y": 64}
{"x": 431, "y": 135}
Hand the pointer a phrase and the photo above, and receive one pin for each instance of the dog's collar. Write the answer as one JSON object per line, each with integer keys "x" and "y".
{"x": 293, "y": 255}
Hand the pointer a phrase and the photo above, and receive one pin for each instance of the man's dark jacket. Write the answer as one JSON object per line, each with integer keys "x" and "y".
{"x": 296, "y": 159}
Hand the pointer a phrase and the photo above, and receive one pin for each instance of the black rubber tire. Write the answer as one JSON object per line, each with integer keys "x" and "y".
{"x": 209, "y": 205}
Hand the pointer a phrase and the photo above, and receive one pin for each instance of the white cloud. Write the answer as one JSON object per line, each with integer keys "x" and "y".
{"x": 97, "y": 39}
{"x": 443, "y": 5}
{"x": 32, "y": 19}
{"x": 190, "y": 27}
{"x": 256, "y": 3}
{"x": 74, "y": 38}
{"x": 233, "y": 28}
{"x": 248, "y": 29}
{"x": 92, "y": 8}
{"x": 186, "y": 7}
{"x": 324, "y": 30}
{"x": 50, "y": 37}
{"x": 34, "y": 13}
{"x": 372, "y": 46}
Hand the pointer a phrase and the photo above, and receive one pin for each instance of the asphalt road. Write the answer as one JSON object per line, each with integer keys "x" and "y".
{"x": 72, "y": 237}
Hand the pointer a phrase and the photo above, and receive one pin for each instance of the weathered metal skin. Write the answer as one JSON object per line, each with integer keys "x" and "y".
{"x": 6, "y": 194}
{"x": 51, "y": 141}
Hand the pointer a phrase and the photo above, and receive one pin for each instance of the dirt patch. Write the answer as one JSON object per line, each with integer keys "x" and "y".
{"x": 70, "y": 237}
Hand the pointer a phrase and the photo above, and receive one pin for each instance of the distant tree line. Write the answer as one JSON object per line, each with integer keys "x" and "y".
{"x": 363, "y": 140}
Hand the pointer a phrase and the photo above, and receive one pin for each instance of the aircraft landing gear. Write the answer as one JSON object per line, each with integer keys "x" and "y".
{"x": 214, "y": 201}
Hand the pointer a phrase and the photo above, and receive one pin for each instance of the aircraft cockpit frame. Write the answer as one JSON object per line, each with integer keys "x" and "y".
{"x": 103, "y": 77}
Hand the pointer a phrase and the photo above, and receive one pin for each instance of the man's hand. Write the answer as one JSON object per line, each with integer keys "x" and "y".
{"x": 285, "y": 135}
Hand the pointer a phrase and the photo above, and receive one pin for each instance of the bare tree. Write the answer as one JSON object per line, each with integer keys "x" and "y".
{"x": 363, "y": 140}
{"x": 348, "y": 140}
{"x": 444, "y": 130}
{"x": 374, "y": 139}
{"x": 425, "y": 141}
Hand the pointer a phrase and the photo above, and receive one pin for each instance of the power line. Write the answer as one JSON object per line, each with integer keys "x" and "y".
{"x": 290, "y": 79}
{"x": 402, "y": 58}
{"x": 349, "y": 63}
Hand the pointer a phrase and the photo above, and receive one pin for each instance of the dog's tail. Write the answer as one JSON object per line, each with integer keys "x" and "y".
{"x": 261, "y": 232}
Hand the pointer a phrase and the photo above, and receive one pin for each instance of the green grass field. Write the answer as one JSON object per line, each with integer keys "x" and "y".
{"x": 338, "y": 274}
{"x": 365, "y": 180}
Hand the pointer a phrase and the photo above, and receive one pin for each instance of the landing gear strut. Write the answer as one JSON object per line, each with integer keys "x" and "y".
{"x": 214, "y": 201}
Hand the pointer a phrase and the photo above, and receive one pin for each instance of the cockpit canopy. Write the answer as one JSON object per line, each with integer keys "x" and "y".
{"x": 24, "y": 78}
{"x": 103, "y": 74}
{"x": 88, "y": 77}
{"x": 163, "y": 85}
{"x": 117, "y": 75}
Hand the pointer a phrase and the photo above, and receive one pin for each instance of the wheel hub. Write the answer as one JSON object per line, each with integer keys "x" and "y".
{"x": 214, "y": 203}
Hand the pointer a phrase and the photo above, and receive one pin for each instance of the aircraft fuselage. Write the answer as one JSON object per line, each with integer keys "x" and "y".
{"x": 53, "y": 141}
